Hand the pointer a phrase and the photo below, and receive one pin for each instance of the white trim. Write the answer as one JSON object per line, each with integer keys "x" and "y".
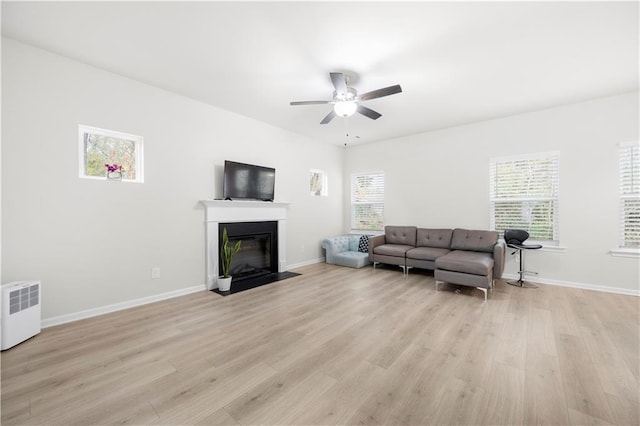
{"x": 583, "y": 286}
{"x": 223, "y": 211}
{"x": 528, "y": 156}
{"x": 366, "y": 232}
{"x": 94, "y": 312}
{"x": 628, "y": 143}
{"x": 305, "y": 263}
{"x": 553, "y": 249}
{"x": 625, "y": 252}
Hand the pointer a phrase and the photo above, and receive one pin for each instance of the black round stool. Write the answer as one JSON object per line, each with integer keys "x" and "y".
{"x": 515, "y": 239}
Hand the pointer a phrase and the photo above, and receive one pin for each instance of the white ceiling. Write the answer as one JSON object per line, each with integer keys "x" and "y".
{"x": 457, "y": 62}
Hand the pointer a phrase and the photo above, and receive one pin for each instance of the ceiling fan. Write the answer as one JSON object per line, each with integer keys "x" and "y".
{"x": 346, "y": 100}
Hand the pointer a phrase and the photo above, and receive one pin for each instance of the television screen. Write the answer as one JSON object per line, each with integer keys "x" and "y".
{"x": 246, "y": 181}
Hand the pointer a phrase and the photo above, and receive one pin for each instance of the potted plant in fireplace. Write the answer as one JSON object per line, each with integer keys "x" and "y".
{"x": 226, "y": 255}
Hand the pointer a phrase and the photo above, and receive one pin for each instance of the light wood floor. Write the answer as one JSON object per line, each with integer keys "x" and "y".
{"x": 338, "y": 346}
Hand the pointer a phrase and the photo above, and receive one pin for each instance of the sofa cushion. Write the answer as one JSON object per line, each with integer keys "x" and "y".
{"x": 464, "y": 239}
{"x": 404, "y": 235}
{"x": 352, "y": 259}
{"x": 339, "y": 244}
{"x": 354, "y": 240}
{"x": 469, "y": 262}
{"x": 426, "y": 253}
{"x": 434, "y": 238}
{"x": 398, "y": 250}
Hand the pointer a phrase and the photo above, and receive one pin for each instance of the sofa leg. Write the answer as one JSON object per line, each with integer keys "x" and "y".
{"x": 484, "y": 290}
{"x": 405, "y": 269}
{"x": 438, "y": 282}
{"x": 374, "y": 265}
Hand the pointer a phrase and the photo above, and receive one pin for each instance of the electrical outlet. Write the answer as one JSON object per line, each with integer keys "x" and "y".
{"x": 155, "y": 273}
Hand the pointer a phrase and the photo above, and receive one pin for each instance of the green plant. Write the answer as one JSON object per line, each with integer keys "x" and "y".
{"x": 227, "y": 252}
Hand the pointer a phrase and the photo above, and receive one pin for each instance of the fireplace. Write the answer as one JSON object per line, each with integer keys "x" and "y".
{"x": 258, "y": 253}
{"x": 232, "y": 212}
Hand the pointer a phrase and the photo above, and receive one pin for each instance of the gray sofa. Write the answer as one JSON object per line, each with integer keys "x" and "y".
{"x": 458, "y": 256}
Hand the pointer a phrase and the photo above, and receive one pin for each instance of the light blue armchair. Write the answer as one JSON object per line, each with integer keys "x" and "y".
{"x": 343, "y": 251}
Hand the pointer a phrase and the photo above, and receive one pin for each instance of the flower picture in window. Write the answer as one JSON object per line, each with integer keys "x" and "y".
{"x": 102, "y": 149}
{"x": 114, "y": 171}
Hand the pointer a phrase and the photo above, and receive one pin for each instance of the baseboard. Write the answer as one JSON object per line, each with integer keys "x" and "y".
{"x": 62, "y": 319}
{"x": 583, "y": 286}
{"x": 305, "y": 263}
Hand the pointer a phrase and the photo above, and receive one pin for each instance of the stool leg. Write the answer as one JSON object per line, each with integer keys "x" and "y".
{"x": 521, "y": 272}
{"x": 520, "y": 281}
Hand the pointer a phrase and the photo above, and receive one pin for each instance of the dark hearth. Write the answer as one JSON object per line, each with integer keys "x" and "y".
{"x": 258, "y": 255}
{"x": 248, "y": 284}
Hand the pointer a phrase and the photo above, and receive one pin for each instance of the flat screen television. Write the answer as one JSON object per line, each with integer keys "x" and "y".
{"x": 248, "y": 182}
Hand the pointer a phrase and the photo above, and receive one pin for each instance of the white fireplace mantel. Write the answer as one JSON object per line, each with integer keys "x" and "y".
{"x": 224, "y": 211}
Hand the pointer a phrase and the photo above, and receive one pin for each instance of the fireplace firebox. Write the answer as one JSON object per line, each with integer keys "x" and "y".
{"x": 258, "y": 253}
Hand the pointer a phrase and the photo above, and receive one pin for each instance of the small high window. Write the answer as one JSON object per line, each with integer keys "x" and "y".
{"x": 318, "y": 183}
{"x": 100, "y": 147}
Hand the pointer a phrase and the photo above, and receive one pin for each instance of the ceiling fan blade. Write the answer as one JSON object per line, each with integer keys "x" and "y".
{"x": 368, "y": 112}
{"x": 310, "y": 102}
{"x": 339, "y": 82}
{"x": 329, "y": 117}
{"x": 391, "y": 90}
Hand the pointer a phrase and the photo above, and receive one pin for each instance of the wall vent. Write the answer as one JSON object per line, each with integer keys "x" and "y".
{"x": 21, "y": 312}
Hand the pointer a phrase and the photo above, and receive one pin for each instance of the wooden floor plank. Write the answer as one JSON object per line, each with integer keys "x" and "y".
{"x": 338, "y": 345}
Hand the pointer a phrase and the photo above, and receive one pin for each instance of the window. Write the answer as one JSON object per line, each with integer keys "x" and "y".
{"x": 524, "y": 195}
{"x": 630, "y": 195}
{"x": 318, "y": 183}
{"x": 367, "y": 201}
{"x": 99, "y": 147}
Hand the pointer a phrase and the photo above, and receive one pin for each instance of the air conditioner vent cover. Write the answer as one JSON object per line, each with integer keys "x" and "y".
{"x": 21, "y": 312}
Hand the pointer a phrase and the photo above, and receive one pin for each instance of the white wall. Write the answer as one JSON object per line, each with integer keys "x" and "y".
{"x": 93, "y": 243}
{"x": 441, "y": 179}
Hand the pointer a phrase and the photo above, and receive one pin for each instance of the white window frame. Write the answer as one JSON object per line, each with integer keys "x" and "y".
{"x": 82, "y": 129}
{"x": 554, "y": 243}
{"x": 626, "y": 151}
{"x": 379, "y": 201}
{"x": 324, "y": 183}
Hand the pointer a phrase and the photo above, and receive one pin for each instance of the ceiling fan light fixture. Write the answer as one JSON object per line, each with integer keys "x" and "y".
{"x": 345, "y": 108}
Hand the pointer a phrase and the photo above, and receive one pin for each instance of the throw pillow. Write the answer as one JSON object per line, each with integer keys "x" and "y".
{"x": 363, "y": 247}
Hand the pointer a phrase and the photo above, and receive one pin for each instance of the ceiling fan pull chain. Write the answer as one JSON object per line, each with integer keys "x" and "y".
{"x": 346, "y": 131}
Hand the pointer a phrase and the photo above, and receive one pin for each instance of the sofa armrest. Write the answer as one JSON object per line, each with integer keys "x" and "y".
{"x": 498, "y": 259}
{"x": 373, "y": 242}
{"x": 333, "y": 246}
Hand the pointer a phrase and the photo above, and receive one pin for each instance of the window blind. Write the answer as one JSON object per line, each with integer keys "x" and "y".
{"x": 367, "y": 201}
{"x": 630, "y": 195}
{"x": 524, "y": 194}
